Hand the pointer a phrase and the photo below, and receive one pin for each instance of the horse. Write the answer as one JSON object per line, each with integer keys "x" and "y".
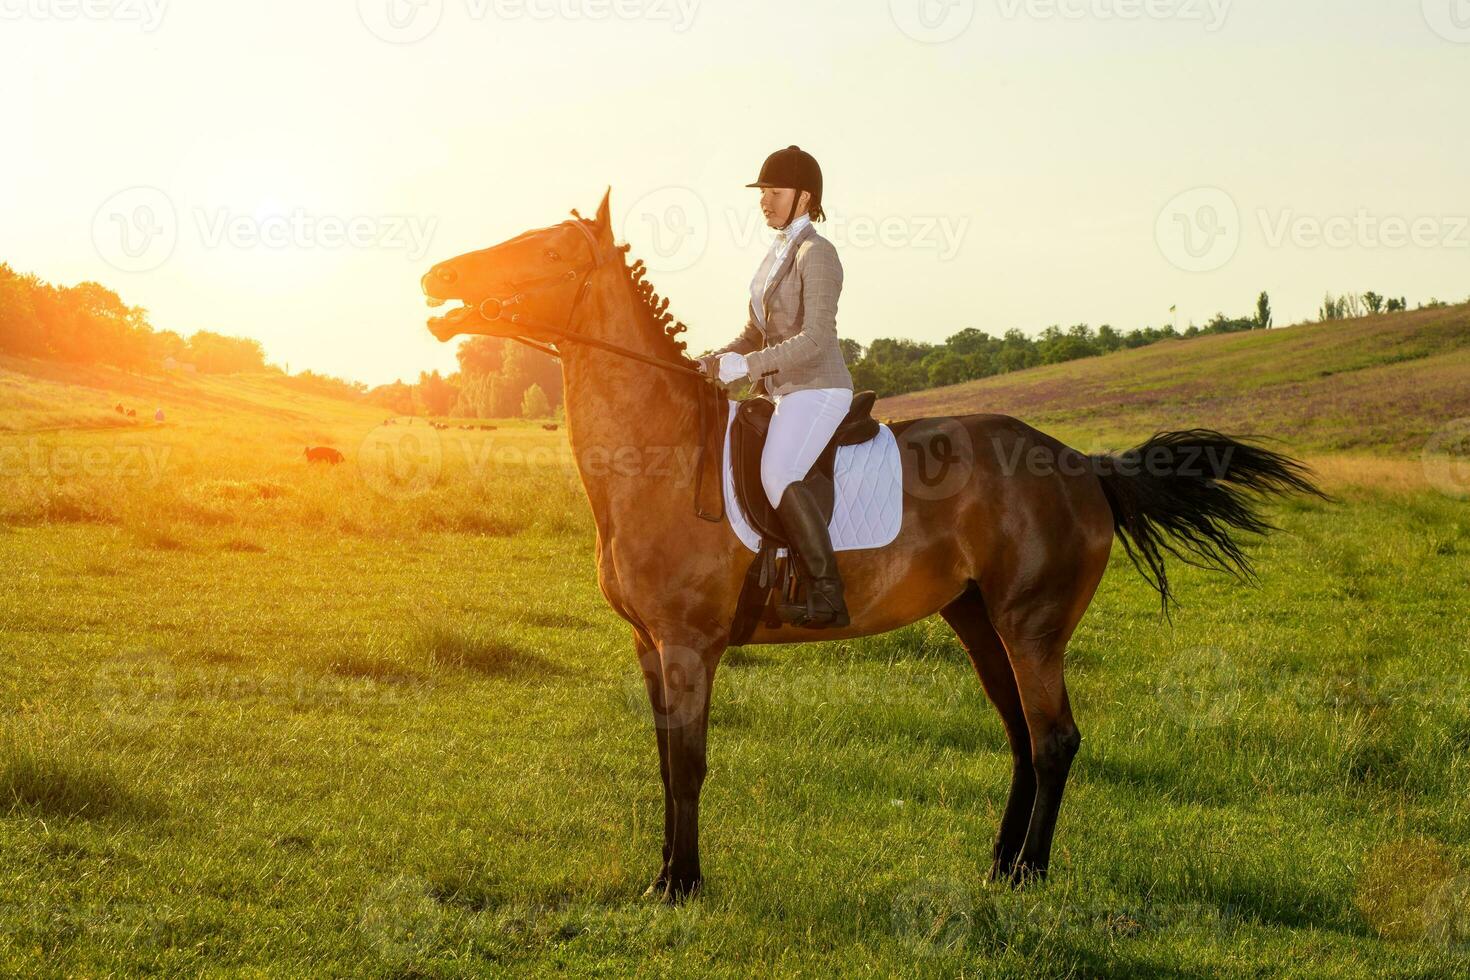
{"x": 1010, "y": 555}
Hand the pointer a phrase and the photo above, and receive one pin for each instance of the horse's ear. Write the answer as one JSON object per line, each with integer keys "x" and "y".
{"x": 603, "y": 221}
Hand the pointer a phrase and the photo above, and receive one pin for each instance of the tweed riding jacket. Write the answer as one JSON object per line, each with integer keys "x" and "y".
{"x": 797, "y": 346}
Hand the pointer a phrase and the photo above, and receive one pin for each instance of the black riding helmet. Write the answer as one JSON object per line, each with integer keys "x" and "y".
{"x": 793, "y": 167}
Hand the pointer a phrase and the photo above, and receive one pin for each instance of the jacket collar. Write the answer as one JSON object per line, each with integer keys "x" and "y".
{"x": 806, "y": 231}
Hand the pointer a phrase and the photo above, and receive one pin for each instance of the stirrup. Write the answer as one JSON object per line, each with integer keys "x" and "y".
{"x": 823, "y": 609}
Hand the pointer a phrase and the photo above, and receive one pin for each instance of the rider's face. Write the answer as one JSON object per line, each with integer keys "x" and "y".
{"x": 776, "y": 203}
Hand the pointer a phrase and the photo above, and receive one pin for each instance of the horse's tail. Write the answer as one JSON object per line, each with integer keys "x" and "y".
{"x": 1184, "y": 493}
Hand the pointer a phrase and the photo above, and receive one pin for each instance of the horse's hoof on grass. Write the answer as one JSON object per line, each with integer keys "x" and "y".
{"x": 679, "y": 890}
{"x": 1026, "y": 876}
{"x": 657, "y": 888}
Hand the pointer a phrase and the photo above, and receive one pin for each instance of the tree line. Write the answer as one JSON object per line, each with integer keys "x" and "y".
{"x": 892, "y": 366}
{"x": 497, "y": 378}
{"x": 90, "y": 324}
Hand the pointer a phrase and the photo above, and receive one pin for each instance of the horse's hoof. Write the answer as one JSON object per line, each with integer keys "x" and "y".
{"x": 1003, "y": 867}
{"x": 659, "y": 885}
{"x": 681, "y": 889}
{"x": 1025, "y": 875}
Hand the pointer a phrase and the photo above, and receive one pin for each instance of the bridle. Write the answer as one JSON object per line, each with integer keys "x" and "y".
{"x": 494, "y": 309}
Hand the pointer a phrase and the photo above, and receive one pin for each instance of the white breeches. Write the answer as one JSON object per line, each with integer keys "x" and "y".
{"x": 800, "y": 429}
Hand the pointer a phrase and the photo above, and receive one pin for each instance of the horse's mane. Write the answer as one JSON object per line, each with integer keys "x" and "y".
{"x": 661, "y": 323}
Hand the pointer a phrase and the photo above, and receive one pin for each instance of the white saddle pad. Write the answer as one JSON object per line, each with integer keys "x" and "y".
{"x": 869, "y": 490}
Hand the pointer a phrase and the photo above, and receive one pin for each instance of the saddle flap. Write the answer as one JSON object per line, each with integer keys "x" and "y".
{"x": 748, "y": 440}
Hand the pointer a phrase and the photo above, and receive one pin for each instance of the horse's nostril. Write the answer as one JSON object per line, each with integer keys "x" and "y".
{"x": 448, "y": 275}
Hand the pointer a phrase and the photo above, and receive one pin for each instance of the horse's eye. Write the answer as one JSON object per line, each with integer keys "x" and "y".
{"x": 551, "y": 254}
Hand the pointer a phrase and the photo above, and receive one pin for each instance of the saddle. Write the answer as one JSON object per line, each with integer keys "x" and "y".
{"x": 772, "y": 572}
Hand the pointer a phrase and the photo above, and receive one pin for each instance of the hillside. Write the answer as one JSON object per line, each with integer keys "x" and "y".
{"x": 40, "y": 395}
{"x": 1382, "y": 383}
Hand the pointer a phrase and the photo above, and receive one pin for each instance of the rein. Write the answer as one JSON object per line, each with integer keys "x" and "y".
{"x": 492, "y": 309}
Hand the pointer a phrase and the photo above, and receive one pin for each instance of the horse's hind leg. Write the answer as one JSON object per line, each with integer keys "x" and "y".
{"x": 968, "y": 618}
{"x": 1036, "y": 650}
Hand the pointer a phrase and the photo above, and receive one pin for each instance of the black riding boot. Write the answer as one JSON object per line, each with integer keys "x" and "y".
{"x": 801, "y": 517}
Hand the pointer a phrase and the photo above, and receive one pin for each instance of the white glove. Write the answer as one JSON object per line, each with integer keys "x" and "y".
{"x": 733, "y": 368}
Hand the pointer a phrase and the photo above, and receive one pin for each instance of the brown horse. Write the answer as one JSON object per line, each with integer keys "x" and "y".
{"x": 1006, "y": 532}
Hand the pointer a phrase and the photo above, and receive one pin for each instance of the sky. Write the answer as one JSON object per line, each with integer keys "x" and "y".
{"x": 286, "y": 171}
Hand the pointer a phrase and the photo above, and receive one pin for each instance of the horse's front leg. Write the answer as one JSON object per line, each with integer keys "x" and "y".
{"x": 652, "y": 668}
{"x": 681, "y": 714}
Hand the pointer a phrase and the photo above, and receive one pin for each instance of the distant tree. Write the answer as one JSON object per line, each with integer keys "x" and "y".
{"x": 1396, "y": 305}
{"x": 1066, "y": 349}
{"x": 852, "y": 351}
{"x": 481, "y": 355}
{"x": 325, "y": 384}
{"x": 1054, "y": 346}
{"x": 1224, "y": 324}
{"x": 970, "y": 341}
{"x": 948, "y": 368}
{"x": 165, "y": 344}
{"x": 1333, "y": 308}
{"x": 524, "y": 367}
{"x": 1373, "y": 302}
{"x": 1263, "y": 310}
{"x": 476, "y": 397}
{"x": 397, "y": 397}
{"x": 21, "y": 330}
{"x": 437, "y": 395}
{"x": 214, "y": 353}
{"x": 534, "y": 404}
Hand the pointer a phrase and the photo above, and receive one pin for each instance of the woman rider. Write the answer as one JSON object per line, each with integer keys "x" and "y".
{"x": 789, "y": 349}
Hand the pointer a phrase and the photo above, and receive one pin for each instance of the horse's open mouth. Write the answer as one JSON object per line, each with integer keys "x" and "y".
{"x": 450, "y": 319}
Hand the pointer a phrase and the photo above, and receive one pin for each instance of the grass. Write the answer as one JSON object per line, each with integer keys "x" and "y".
{"x": 264, "y": 718}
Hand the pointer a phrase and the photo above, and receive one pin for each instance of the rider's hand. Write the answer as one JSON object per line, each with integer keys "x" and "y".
{"x": 733, "y": 368}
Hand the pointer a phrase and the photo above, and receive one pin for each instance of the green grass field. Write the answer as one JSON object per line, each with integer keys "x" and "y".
{"x": 268, "y": 719}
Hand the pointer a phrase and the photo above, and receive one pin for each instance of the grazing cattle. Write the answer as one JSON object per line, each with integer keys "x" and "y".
{"x": 487, "y": 428}
{"x": 132, "y": 413}
{"x": 549, "y": 427}
{"x": 323, "y": 454}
